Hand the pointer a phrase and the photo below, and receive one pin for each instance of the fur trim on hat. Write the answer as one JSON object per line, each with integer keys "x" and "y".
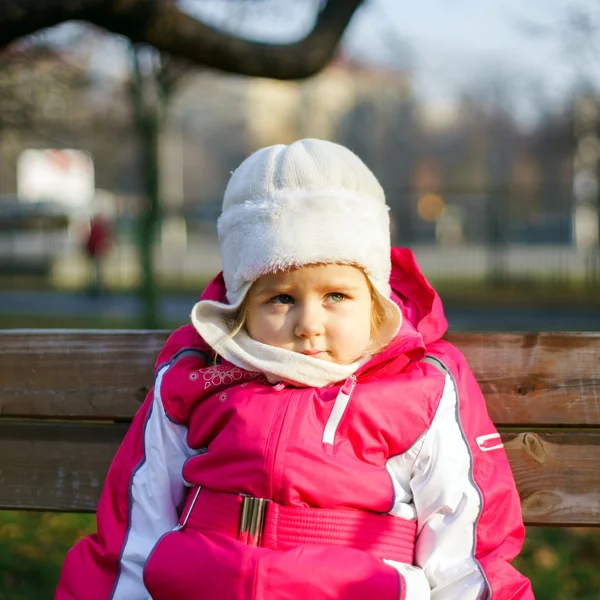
{"x": 293, "y": 228}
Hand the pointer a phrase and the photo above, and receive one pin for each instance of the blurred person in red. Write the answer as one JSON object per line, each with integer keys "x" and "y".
{"x": 97, "y": 244}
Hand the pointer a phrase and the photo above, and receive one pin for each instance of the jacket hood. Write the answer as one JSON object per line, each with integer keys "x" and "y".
{"x": 420, "y": 304}
{"x": 423, "y": 320}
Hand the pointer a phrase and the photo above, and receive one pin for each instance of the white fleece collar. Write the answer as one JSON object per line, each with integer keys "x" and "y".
{"x": 277, "y": 364}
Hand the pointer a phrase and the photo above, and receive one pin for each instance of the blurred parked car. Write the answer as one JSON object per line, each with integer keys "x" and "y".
{"x": 32, "y": 234}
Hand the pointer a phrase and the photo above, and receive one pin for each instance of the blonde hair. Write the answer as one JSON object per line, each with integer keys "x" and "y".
{"x": 378, "y": 315}
{"x": 236, "y": 323}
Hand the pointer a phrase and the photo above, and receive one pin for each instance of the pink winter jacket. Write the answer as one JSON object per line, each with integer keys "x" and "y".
{"x": 412, "y": 439}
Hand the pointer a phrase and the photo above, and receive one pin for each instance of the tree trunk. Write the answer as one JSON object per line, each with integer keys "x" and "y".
{"x": 148, "y": 120}
{"x": 149, "y": 222}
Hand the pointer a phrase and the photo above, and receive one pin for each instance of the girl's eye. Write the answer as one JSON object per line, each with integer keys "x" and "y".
{"x": 337, "y": 296}
{"x": 281, "y": 299}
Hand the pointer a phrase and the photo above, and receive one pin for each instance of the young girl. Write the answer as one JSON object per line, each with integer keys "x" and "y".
{"x": 310, "y": 435}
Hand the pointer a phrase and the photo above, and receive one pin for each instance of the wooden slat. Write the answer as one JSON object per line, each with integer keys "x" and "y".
{"x": 55, "y": 466}
{"x": 76, "y": 374}
{"x": 557, "y": 475}
{"x": 61, "y": 467}
{"x": 528, "y": 380}
{"x": 537, "y": 379}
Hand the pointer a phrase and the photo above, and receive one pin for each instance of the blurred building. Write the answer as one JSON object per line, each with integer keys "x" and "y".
{"x": 464, "y": 174}
{"x": 218, "y": 120}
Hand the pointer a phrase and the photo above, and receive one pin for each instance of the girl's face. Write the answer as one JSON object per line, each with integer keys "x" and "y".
{"x": 322, "y": 311}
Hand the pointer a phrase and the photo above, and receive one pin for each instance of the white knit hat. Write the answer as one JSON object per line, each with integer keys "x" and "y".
{"x": 311, "y": 202}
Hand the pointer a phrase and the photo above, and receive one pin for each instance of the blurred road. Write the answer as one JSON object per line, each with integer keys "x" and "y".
{"x": 199, "y": 258}
{"x": 176, "y": 309}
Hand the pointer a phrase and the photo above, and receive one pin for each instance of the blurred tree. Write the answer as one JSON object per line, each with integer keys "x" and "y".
{"x": 164, "y": 25}
{"x": 173, "y": 32}
{"x": 36, "y": 90}
{"x": 36, "y": 87}
{"x": 151, "y": 88}
{"x": 577, "y": 29}
{"x": 49, "y": 97}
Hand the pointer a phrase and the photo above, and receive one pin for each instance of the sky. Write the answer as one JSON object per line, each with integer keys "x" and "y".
{"x": 520, "y": 46}
{"x": 455, "y": 41}
{"x": 520, "y": 49}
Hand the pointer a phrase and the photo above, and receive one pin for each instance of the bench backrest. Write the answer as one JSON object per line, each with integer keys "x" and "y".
{"x": 66, "y": 397}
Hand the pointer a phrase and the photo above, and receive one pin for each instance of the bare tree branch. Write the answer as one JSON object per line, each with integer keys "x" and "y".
{"x": 19, "y": 18}
{"x": 163, "y": 25}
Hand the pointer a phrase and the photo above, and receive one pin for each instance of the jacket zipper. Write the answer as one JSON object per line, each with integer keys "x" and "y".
{"x": 278, "y": 443}
{"x": 339, "y": 408}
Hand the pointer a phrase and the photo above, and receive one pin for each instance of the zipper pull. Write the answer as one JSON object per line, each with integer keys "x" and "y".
{"x": 349, "y": 385}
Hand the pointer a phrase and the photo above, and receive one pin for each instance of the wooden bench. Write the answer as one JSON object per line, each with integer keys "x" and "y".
{"x": 66, "y": 398}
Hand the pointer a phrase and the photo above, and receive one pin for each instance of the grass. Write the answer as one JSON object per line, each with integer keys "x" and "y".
{"x": 562, "y": 564}
{"x": 525, "y": 293}
{"x": 32, "y": 550}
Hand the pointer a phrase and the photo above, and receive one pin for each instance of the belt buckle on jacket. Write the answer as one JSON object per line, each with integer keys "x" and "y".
{"x": 252, "y": 520}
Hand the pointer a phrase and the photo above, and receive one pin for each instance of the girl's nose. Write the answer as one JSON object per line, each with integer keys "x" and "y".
{"x": 308, "y": 323}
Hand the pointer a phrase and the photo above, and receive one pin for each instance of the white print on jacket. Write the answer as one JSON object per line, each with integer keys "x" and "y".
{"x": 157, "y": 488}
{"x": 433, "y": 483}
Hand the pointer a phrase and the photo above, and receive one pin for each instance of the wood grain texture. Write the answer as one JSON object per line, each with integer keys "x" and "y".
{"x": 55, "y": 466}
{"x": 62, "y": 466}
{"x": 557, "y": 474}
{"x": 76, "y": 374}
{"x": 538, "y": 378}
{"x": 548, "y": 385}
{"x": 528, "y": 379}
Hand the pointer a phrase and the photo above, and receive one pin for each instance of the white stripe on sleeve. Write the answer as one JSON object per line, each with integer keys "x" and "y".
{"x": 157, "y": 489}
{"x": 448, "y": 505}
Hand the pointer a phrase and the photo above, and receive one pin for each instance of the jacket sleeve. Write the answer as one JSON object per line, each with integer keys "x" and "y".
{"x": 139, "y": 503}
{"x": 468, "y": 510}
